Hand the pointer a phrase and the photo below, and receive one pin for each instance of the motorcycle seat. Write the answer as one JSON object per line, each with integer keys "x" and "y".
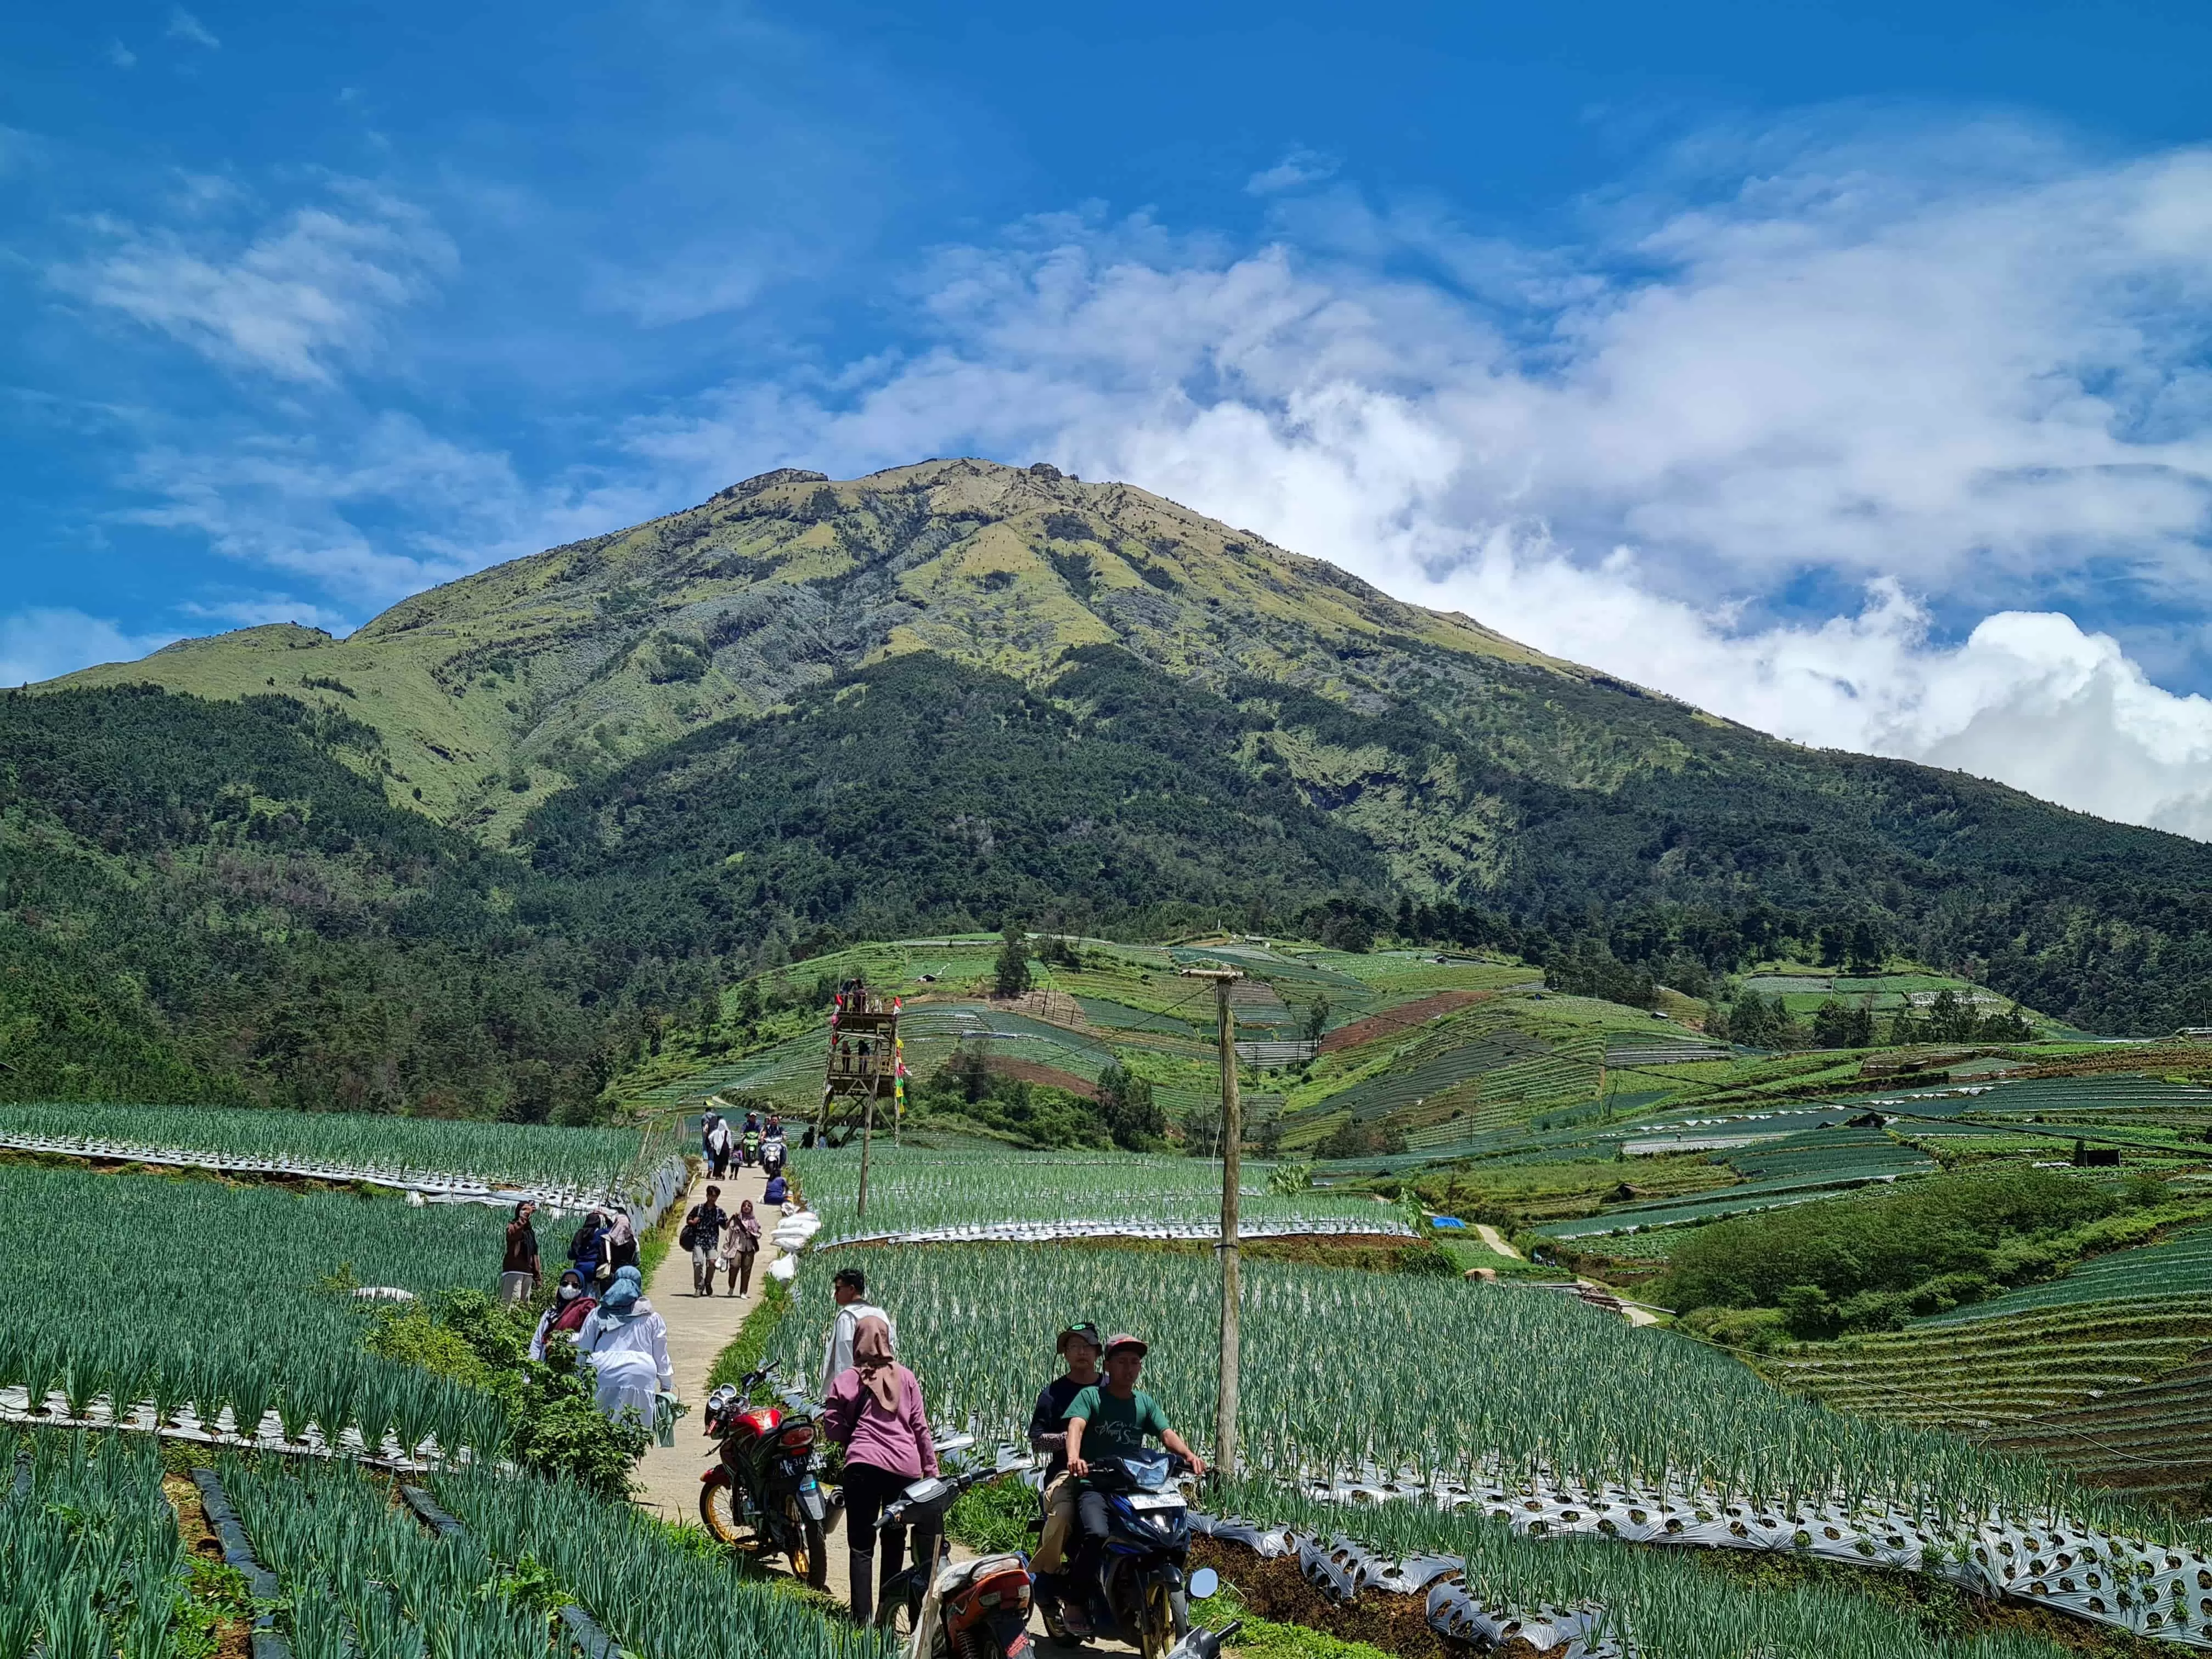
{"x": 955, "y": 1576}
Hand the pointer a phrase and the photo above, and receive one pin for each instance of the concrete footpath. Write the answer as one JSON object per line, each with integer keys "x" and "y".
{"x": 699, "y": 1329}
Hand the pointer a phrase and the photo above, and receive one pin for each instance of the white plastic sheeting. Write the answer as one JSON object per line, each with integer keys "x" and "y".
{"x": 645, "y": 1204}
{"x": 1047, "y": 1232}
{"x": 268, "y": 1435}
{"x": 2132, "y": 1583}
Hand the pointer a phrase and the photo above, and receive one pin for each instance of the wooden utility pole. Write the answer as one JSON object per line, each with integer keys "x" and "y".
{"x": 1232, "y": 1136}
{"x": 867, "y": 1134}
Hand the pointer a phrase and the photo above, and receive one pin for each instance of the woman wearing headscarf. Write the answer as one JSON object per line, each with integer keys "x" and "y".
{"x": 628, "y": 1345}
{"x": 740, "y": 1244}
{"x": 571, "y": 1304}
{"x": 875, "y": 1413}
{"x": 622, "y": 1242}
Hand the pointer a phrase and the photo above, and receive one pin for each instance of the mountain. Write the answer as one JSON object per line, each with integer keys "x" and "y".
{"x": 946, "y": 694}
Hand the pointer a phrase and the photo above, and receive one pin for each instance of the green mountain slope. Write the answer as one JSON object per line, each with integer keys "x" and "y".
{"x": 807, "y": 711}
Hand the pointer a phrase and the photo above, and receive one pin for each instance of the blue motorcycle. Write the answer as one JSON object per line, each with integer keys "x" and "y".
{"x": 1132, "y": 1585}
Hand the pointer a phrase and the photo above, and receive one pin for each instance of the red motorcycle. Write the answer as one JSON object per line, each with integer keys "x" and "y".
{"x": 763, "y": 1484}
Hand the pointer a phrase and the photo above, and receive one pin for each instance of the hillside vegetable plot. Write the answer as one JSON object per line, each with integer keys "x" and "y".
{"x": 90, "y": 1561}
{"x": 2177, "y": 1271}
{"x": 1333, "y": 1384}
{"x": 912, "y": 1191}
{"x": 1550, "y": 1417}
{"x": 346, "y": 1556}
{"x": 433, "y": 1154}
{"x": 204, "y": 1311}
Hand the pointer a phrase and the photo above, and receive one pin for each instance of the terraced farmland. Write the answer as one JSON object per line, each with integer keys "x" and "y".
{"x": 2169, "y": 1273}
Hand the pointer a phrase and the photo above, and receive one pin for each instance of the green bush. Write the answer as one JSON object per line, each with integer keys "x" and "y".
{"x": 1930, "y": 1240}
{"x": 554, "y": 1422}
{"x": 1753, "y": 1330}
{"x": 993, "y": 1519}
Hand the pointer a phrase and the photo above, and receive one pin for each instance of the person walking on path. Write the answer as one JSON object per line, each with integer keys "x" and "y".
{"x": 627, "y": 1341}
{"x": 740, "y": 1245}
{"x": 517, "y": 1272}
{"x": 702, "y": 1236}
{"x": 717, "y": 1150}
{"x": 850, "y": 1287}
{"x": 875, "y": 1413}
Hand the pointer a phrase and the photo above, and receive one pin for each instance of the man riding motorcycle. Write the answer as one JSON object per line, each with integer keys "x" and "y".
{"x": 1111, "y": 1418}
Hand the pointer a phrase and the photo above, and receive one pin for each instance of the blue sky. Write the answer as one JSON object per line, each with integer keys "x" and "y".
{"x": 1844, "y": 369}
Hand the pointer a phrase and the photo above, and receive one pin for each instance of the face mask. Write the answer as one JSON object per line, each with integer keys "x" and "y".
{"x": 569, "y": 1293}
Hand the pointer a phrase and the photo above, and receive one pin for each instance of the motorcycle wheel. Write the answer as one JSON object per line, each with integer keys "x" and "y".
{"x": 1163, "y": 1621}
{"x": 810, "y": 1555}
{"x": 1056, "y": 1626}
{"x": 718, "y": 1511}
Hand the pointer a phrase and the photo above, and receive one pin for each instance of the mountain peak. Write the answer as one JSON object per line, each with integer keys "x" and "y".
{"x": 497, "y": 689}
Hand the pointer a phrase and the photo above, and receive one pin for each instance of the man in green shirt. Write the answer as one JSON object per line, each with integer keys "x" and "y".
{"x": 1112, "y": 1419}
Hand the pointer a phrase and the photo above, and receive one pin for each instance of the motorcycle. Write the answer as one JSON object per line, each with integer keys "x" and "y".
{"x": 976, "y": 1609}
{"x": 763, "y": 1480}
{"x": 1205, "y": 1644}
{"x": 1131, "y": 1584}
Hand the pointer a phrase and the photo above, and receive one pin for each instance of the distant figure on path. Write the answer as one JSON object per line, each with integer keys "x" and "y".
{"x": 850, "y": 1287}
{"x": 518, "y": 1272}
{"x": 740, "y": 1244}
{"x": 571, "y": 1304}
{"x": 622, "y": 1242}
{"x": 717, "y": 1150}
{"x": 702, "y": 1236}
{"x": 778, "y": 1190}
{"x": 628, "y": 1345}
{"x": 875, "y": 1413}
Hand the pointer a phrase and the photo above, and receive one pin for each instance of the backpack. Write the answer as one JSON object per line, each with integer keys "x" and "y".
{"x": 688, "y": 1238}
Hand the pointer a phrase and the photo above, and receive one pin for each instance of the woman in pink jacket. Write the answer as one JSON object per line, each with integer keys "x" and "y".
{"x": 875, "y": 1413}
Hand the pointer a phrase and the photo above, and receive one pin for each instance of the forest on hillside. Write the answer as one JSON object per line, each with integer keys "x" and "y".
{"x": 216, "y": 901}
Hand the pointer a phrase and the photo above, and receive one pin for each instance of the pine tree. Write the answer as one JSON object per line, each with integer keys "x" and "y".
{"x": 1011, "y": 977}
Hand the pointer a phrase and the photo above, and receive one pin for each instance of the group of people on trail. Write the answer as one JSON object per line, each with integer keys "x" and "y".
{"x": 755, "y": 1143}
{"x": 599, "y": 1305}
{"x": 717, "y": 1239}
{"x": 873, "y": 1406}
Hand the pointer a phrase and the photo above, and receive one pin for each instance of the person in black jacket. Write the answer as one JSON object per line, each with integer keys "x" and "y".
{"x": 703, "y": 1227}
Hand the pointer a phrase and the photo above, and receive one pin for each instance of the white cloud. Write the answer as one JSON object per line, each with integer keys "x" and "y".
{"x": 1299, "y": 167}
{"x": 384, "y": 512}
{"x": 121, "y": 56}
{"x": 189, "y": 30}
{"x": 42, "y": 642}
{"x": 301, "y": 297}
{"x": 1971, "y": 375}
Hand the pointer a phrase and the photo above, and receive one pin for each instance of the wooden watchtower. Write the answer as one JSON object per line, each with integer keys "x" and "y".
{"x": 865, "y": 1081}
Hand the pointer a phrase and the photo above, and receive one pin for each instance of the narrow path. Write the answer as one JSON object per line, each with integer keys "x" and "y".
{"x": 699, "y": 1329}
{"x": 1496, "y": 1240}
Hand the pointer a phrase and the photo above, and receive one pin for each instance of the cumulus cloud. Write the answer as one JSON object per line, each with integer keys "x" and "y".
{"x": 297, "y": 298}
{"x": 1966, "y": 380}
{"x": 38, "y": 643}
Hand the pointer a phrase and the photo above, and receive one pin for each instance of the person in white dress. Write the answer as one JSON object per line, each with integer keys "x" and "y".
{"x": 627, "y": 1343}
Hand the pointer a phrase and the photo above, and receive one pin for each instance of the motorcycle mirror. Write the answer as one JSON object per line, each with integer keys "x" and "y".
{"x": 1203, "y": 1584}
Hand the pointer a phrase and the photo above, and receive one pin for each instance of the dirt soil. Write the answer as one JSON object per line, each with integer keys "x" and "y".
{"x": 1399, "y": 1019}
{"x": 233, "y": 1637}
{"x": 1045, "y": 1077}
{"x": 1277, "y": 1590}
